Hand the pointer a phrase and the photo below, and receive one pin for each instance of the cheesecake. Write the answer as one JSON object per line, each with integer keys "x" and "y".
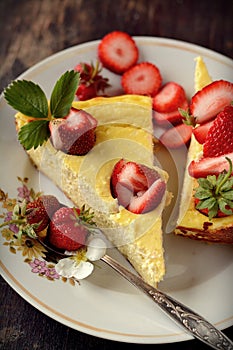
{"x": 124, "y": 131}
{"x": 192, "y": 222}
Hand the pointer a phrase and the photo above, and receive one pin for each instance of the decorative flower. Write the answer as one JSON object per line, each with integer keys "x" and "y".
{"x": 13, "y": 227}
{"x": 8, "y": 234}
{"x": 30, "y": 247}
{"x": 52, "y": 273}
{"x": 79, "y": 266}
{"x": 38, "y": 266}
{"x": 24, "y": 192}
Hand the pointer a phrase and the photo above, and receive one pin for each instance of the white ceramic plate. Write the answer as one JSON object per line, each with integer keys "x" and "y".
{"x": 105, "y": 305}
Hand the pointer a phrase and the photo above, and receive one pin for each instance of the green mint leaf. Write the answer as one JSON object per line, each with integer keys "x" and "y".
{"x": 34, "y": 133}
{"x": 27, "y": 98}
{"x": 63, "y": 94}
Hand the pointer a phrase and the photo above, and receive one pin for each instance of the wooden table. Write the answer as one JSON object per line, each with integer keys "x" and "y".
{"x": 31, "y": 30}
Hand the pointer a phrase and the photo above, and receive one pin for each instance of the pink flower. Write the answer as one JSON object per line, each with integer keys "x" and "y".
{"x": 52, "y": 273}
{"x": 24, "y": 192}
{"x": 13, "y": 227}
{"x": 38, "y": 266}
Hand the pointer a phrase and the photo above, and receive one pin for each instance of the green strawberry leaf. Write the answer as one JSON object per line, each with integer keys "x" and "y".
{"x": 222, "y": 206}
{"x": 63, "y": 94}
{"x": 27, "y": 98}
{"x": 34, "y": 133}
{"x": 228, "y": 195}
{"x": 227, "y": 185}
{"x": 207, "y": 183}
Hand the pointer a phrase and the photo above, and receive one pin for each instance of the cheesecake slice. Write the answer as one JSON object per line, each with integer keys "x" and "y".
{"x": 124, "y": 131}
{"x": 191, "y": 222}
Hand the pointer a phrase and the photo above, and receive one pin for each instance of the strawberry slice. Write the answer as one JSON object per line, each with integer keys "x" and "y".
{"x": 167, "y": 118}
{"x": 176, "y": 136}
{"x": 209, "y": 166}
{"x": 117, "y": 51}
{"x": 131, "y": 180}
{"x": 65, "y": 230}
{"x": 74, "y": 134}
{"x": 114, "y": 178}
{"x": 219, "y": 139}
{"x": 209, "y": 101}
{"x": 132, "y": 177}
{"x": 201, "y": 131}
{"x": 143, "y": 79}
{"x": 149, "y": 200}
{"x": 169, "y": 98}
{"x": 136, "y": 177}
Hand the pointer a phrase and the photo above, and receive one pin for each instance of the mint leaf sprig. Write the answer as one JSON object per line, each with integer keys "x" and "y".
{"x": 216, "y": 193}
{"x": 29, "y": 99}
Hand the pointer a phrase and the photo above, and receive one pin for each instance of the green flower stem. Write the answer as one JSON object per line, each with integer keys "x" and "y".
{"x": 13, "y": 221}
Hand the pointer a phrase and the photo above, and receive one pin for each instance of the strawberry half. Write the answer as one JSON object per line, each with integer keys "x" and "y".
{"x": 143, "y": 79}
{"x": 201, "y": 131}
{"x": 130, "y": 181}
{"x": 40, "y": 211}
{"x": 114, "y": 178}
{"x": 66, "y": 232}
{"x": 209, "y": 166}
{"x": 209, "y": 101}
{"x": 219, "y": 139}
{"x": 149, "y": 200}
{"x": 118, "y": 52}
{"x": 74, "y": 134}
{"x": 176, "y": 136}
{"x": 170, "y": 97}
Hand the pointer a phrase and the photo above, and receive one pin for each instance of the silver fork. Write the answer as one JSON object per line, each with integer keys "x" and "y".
{"x": 193, "y": 323}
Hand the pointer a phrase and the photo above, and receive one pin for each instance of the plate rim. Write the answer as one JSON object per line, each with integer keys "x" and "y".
{"x": 178, "y": 44}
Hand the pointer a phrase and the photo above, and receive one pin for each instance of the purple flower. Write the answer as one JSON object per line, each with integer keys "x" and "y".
{"x": 52, "y": 273}
{"x": 24, "y": 192}
{"x": 13, "y": 227}
{"x": 38, "y": 266}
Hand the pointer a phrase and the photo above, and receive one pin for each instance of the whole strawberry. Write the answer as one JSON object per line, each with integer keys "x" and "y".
{"x": 219, "y": 139}
{"x": 40, "y": 211}
{"x": 91, "y": 81}
{"x": 33, "y": 217}
{"x": 66, "y": 230}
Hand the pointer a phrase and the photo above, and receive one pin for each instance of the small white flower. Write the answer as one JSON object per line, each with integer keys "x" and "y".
{"x": 78, "y": 266}
{"x": 65, "y": 267}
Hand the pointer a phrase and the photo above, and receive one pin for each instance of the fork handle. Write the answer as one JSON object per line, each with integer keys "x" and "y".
{"x": 193, "y": 323}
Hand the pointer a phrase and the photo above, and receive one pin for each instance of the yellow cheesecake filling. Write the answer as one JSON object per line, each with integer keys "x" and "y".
{"x": 191, "y": 222}
{"x": 124, "y": 130}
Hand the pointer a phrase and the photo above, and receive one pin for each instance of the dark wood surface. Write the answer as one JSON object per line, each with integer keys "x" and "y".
{"x": 31, "y": 31}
